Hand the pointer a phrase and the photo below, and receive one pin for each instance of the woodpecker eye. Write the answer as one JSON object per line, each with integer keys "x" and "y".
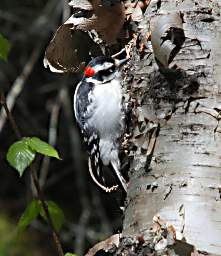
{"x": 89, "y": 71}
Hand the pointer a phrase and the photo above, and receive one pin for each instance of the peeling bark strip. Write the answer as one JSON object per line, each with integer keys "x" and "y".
{"x": 167, "y": 36}
{"x": 72, "y": 46}
{"x": 185, "y": 100}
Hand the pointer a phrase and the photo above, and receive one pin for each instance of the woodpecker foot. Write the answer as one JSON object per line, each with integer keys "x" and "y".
{"x": 118, "y": 53}
{"x": 111, "y": 189}
{"x": 106, "y": 189}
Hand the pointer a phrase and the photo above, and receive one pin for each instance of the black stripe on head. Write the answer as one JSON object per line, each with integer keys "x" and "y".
{"x": 103, "y": 67}
{"x": 100, "y": 60}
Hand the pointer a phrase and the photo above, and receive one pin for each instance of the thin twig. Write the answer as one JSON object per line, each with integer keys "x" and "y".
{"x": 81, "y": 231}
{"x": 9, "y": 115}
{"x": 52, "y": 138}
{"x": 51, "y": 9}
{"x": 19, "y": 83}
{"x": 34, "y": 177}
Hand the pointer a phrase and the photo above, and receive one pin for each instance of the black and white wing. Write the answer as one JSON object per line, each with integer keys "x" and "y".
{"x": 84, "y": 107}
{"x": 83, "y": 104}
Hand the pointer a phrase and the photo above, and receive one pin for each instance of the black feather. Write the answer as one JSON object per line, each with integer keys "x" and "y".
{"x": 92, "y": 143}
{"x": 91, "y": 138}
{"x": 82, "y": 103}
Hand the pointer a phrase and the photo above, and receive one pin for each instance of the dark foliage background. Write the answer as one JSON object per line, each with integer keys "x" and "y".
{"x": 42, "y": 106}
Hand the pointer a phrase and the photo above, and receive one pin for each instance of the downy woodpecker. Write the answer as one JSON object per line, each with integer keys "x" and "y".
{"x": 99, "y": 112}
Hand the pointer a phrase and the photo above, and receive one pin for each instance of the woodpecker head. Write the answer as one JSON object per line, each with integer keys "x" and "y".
{"x": 102, "y": 69}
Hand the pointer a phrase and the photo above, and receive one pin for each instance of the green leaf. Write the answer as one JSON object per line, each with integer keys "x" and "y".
{"x": 5, "y": 46}
{"x": 56, "y": 214}
{"x": 20, "y": 156}
{"x": 31, "y": 212}
{"x": 42, "y": 147}
{"x": 70, "y": 254}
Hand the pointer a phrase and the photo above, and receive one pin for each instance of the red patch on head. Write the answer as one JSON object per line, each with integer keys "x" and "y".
{"x": 89, "y": 71}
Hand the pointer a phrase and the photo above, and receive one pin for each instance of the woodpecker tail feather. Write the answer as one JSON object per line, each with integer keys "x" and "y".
{"x": 95, "y": 163}
{"x": 116, "y": 168}
{"x": 94, "y": 155}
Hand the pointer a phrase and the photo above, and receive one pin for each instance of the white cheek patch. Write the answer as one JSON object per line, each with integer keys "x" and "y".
{"x": 105, "y": 78}
{"x": 92, "y": 80}
{"x": 104, "y": 66}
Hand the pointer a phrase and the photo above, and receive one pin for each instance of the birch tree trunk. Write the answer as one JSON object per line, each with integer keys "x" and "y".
{"x": 176, "y": 158}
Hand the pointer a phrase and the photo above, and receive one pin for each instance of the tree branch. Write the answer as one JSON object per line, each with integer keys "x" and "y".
{"x": 18, "y": 85}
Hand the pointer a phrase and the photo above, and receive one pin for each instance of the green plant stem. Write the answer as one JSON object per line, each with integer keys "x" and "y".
{"x": 45, "y": 208}
{"x": 33, "y": 176}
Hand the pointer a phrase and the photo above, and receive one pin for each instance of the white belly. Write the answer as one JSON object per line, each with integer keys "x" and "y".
{"x": 108, "y": 116}
{"x": 108, "y": 120}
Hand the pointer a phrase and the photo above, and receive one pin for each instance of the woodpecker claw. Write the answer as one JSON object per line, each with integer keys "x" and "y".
{"x": 118, "y": 53}
{"x": 127, "y": 51}
{"x": 106, "y": 189}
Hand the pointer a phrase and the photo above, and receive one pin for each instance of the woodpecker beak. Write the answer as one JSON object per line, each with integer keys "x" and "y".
{"x": 118, "y": 63}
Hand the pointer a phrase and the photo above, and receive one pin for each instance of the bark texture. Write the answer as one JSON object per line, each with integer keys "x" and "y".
{"x": 178, "y": 112}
